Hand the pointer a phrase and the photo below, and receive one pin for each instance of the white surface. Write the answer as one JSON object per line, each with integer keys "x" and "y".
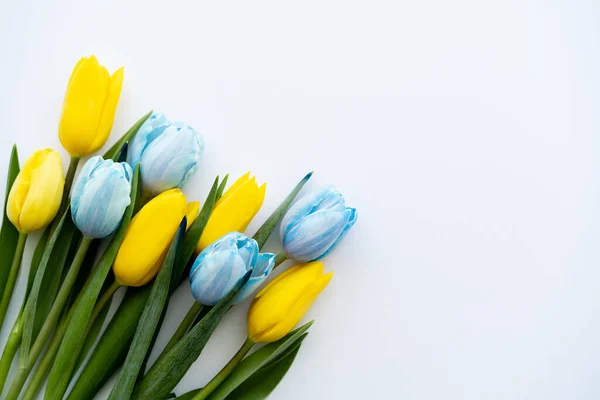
{"x": 465, "y": 132}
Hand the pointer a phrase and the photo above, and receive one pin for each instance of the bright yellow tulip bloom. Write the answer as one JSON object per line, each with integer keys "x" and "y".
{"x": 234, "y": 211}
{"x": 36, "y": 194}
{"x": 148, "y": 237}
{"x": 89, "y": 107}
{"x": 192, "y": 210}
{"x": 280, "y": 305}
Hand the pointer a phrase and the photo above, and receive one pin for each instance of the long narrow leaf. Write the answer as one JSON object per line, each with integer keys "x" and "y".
{"x": 54, "y": 274}
{"x": 67, "y": 355}
{"x": 266, "y": 229}
{"x": 260, "y": 385}
{"x": 115, "y": 150}
{"x": 261, "y": 358}
{"x": 9, "y": 236}
{"x": 32, "y": 301}
{"x": 166, "y": 373}
{"x": 148, "y": 322}
{"x": 112, "y": 347}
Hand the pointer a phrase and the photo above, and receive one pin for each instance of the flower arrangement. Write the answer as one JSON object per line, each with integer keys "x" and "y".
{"x": 156, "y": 239}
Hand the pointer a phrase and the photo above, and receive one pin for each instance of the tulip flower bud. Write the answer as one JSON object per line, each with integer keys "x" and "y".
{"x": 36, "y": 194}
{"x": 89, "y": 107}
{"x": 234, "y": 211}
{"x": 169, "y": 153}
{"x": 315, "y": 224}
{"x": 100, "y": 196}
{"x": 222, "y": 264}
{"x": 148, "y": 237}
{"x": 280, "y": 305}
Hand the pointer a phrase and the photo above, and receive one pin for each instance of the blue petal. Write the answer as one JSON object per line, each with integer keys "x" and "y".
{"x": 260, "y": 272}
{"x": 153, "y": 127}
{"x": 351, "y": 221}
{"x": 216, "y": 275}
{"x": 328, "y": 198}
{"x": 315, "y": 234}
{"x": 103, "y": 190}
{"x": 171, "y": 158}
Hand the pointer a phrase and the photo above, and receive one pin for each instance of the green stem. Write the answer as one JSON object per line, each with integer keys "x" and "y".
{"x": 280, "y": 259}
{"x": 11, "y": 348}
{"x": 184, "y": 326}
{"x": 12, "y": 277}
{"x": 224, "y": 373}
{"x": 48, "y": 359}
{"x": 51, "y": 320}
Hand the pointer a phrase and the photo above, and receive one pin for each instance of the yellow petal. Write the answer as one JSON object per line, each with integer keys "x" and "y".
{"x": 191, "y": 213}
{"x": 234, "y": 212}
{"x": 36, "y": 194}
{"x": 236, "y": 185}
{"x": 148, "y": 237}
{"x": 297, "y": 311}
{"x": 110, "y": 107}
{"x": 275, "y": 301}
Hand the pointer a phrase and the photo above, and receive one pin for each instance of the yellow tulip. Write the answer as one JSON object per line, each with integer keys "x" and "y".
{"x": 234, "y": 211}
{"x": 191, "y": 212}
{"x": 89, "y": 107}
{"x": 35, "y": 196}
{"x": 280, "y": 305}
{"x": 148, "y": 237}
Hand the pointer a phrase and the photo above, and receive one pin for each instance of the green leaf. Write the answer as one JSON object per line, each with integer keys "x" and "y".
{"x": 168, "y": 370}
{"x": 9, "y": 236}
{"x": 36, "y": 259}
{"x": 112, "y": 347}
{"x": 261, "y": 358}
{"x": 267, "y": 228}
{"x": 53, "y": 276}
{"x": 114, "y": 151}
{"x": 73, "y": 341}
{"x": 260, "y": 385}
{"x": 148, "y": 324}
{"x": 32, "y": 301}
{"x": 92, "y": 335}
{"x": 222, "y": 187}
{"x": 122, "y": 155}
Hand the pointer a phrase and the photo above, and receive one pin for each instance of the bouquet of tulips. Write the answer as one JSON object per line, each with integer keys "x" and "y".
{"x": 156, "y": 239}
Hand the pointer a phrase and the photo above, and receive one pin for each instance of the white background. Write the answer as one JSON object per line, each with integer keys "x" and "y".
{"x": 466, "y": 133}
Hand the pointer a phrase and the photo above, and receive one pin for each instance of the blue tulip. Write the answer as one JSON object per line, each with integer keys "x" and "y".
{"x": 169, "y": 153}
{"x": 316, "y": 224}
{"x": 100, "y": 196}
{"x": 222, "y": 264}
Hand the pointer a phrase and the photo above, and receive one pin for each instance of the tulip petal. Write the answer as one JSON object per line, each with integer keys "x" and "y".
{"x": 352, "y": 216}
{"x": 44, "y": 191}
{"x": 315, "y": 234}
{"x": 171, "y": 158}
{"x": 272, "y": 304}
{"x": 147, "y": 238}
{"x": 235, "y": 212}
{"x": 297, "y": 311}
{"x": 84, "y": 101}
{"x": 153, "y": 127}
{"x": 328, "y": 198}
{"x": 260, "y": 272}
{"x": 108, "y": 111}
{"x": 100, "y": 197}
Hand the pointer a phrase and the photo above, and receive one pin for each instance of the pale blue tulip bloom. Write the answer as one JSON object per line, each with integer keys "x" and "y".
{"x": 222, "y": 264}
{"x": 100, "y": 196}
{"x": 169, "y": 153}
{"x": 316, "y": 224}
